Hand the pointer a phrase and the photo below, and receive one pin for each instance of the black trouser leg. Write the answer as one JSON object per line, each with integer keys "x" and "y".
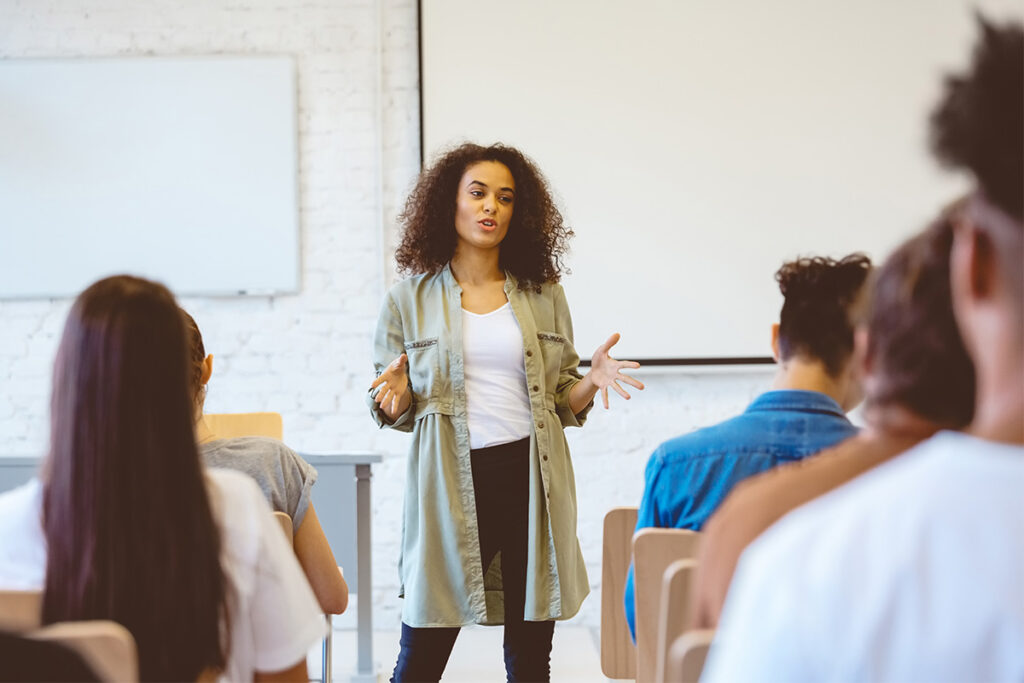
{"x": 501, "y": 479}
{"x": 424, "y": 654}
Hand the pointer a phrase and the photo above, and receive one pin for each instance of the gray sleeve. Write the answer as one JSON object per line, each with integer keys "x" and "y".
{"x": 299, "y": 477}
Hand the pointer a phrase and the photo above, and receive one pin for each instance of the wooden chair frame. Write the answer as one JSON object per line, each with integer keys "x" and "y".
{"x": 618, "y": 654}
{"x": 654, "y": 550}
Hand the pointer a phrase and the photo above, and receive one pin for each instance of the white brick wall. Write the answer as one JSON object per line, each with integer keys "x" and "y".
{"x": 308, "y": 356}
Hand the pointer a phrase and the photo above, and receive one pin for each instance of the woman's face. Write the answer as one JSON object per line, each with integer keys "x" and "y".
{"x": 483, "y": 205}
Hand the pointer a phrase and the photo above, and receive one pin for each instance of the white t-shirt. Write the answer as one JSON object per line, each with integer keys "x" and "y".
{"x": 497, "y": 403}
{"x": 275, "y": 617}
{"x": 912, "y": 572}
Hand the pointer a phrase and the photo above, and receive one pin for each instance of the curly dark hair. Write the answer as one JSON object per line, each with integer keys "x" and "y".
{"x": 537, "y": 238}
{"x": 978, "y": 125}
{"x": 817, "y": 317}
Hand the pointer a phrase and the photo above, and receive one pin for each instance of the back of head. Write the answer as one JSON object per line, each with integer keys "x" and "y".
{"x": 816, "y": 322}
{"x": 196, "y": 356}
{"x": 917, "y": 357}
{"x": 129, "y": 528}
{"x": 978, "y": 125}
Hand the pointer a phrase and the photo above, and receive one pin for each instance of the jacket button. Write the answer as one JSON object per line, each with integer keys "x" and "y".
{"x": 545, "y": 457}
{"x": 529, "y": 353}
{"x": 536, "y": 388}
{"x": 540, "y": 425}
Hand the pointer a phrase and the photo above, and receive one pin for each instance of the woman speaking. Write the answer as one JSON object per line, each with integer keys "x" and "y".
{"x": 475, "y": 357}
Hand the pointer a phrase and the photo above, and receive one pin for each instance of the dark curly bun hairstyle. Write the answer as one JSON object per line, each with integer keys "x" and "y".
{"x": 817, "y": 318}
{"x": 978, "y": 124}
{"x": 916, "y": 351}
{"x": 537, "y": 238}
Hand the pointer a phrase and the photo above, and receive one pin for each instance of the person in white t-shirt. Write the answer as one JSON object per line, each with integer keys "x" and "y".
{"x": 915, "y": 570}
{"x": 124, "y": 524}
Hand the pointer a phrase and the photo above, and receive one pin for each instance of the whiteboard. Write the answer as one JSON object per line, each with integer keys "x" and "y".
{"x": 181, "y": 169}
{"x": 697, "y": 145}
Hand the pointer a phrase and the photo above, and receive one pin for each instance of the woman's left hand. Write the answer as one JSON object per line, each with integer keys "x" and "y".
{"x": 606, "y": 372}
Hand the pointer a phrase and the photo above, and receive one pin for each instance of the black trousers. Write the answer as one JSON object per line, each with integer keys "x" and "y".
{"x": 501, "y": 483}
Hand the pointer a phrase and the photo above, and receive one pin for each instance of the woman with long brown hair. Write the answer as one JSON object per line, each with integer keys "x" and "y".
{"x": 125, "y": 525}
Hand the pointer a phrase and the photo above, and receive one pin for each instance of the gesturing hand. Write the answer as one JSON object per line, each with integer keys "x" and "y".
{"x": 605, "y": 371}
{"x": 393, "y": 394}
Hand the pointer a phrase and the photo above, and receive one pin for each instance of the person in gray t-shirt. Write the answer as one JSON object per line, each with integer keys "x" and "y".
{"x": 285, "y": 478}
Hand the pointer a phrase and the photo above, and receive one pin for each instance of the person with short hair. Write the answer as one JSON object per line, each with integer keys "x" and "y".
{"x": 817, "y": 383}
{"x": 918, "y": 379}
{"x": 912, "y": 571}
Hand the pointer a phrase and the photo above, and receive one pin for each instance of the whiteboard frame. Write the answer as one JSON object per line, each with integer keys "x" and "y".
{"x": 240, "y": 172}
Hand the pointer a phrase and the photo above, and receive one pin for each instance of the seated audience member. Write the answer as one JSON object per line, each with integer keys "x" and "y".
{"x": 285, "y": 479}
{"x": 688, "y": 476}
{"x": 917, "y": 379}
{"x": 125, "y": 524}
{"x": 912, "y": 571}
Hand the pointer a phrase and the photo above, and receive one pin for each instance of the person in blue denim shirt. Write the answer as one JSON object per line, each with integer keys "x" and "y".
{"x": 689, "y": 476}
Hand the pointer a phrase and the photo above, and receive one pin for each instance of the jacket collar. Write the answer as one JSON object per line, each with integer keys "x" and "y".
{"x": 796, "y": 399}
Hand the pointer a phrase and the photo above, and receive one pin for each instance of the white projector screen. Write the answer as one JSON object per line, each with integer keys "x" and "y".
{"x": 178, "y": 169}
{"x": 697, "y": 145}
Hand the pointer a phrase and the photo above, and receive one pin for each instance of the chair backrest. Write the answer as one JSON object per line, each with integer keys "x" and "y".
{"x": 687, "y": 654}
{"x": 106, "y": 646}
{"x": 618, "y": 655}
{"x": 20, "y": 610}
{"x": 231, "y": 425}
{"x": 653, "y": 551}
{"x": 286, "y": 525}
{"x": 675, "y": 608}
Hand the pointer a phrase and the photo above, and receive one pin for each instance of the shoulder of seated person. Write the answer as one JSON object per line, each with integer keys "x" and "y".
{"x": 253, "y": 443}
{"x": 716, "y": 439}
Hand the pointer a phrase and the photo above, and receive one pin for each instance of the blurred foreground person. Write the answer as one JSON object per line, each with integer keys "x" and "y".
{"x": 912, "y": 572}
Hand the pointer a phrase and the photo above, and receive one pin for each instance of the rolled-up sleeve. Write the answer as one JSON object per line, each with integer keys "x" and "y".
{"x": 389, "y": 344}
{"x": 569, "y": 375}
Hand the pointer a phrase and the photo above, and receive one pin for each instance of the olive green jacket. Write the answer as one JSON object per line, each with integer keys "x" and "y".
{"x": 440, "y": 567}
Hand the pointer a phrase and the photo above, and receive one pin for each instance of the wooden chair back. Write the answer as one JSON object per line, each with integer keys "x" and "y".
{"x": 675, "y": 610}
{"x": 231, "y": 425}
{"x": 106, "y": 646}
{"x": 286, "y": 525}
{"x": 618, "y": 654}
{"x": 20, "y": 610}
{"x": 653, "y": 551}
{"x": 687, "y": 654}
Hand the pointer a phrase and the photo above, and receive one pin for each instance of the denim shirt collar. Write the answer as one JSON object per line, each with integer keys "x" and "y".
{"x": 795, "y": 399}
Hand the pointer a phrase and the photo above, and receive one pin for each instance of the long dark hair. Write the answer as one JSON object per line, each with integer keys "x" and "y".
{"x": 537, "y": 238}
{"x": 129, "y": 528}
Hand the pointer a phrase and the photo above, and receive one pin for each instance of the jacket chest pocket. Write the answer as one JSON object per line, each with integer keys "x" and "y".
{"x": 424, "y": 368}
{"x": 551, "y": 347}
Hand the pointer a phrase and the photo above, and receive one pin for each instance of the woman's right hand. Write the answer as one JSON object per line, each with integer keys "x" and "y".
{"x": 393, "y": 395}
